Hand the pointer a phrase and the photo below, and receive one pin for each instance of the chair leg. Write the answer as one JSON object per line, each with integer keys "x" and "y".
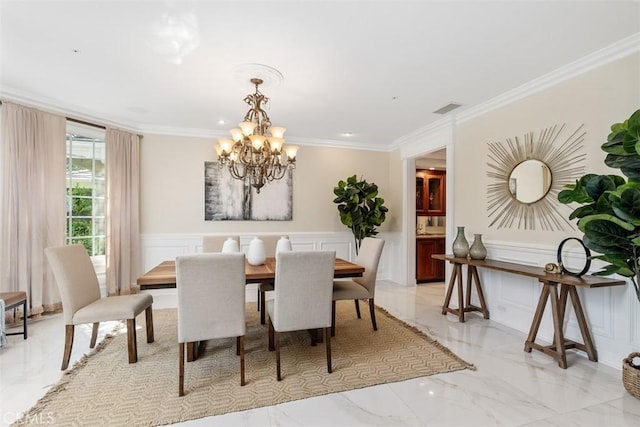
{"x": 241, "y": 345}
{"x": 263, "y": 297}
{"x": 148, "y": 313}
{"x": 94, "y": 334}
{"x": 181, "y": 369}
{"x": 131, "y": 340}
{"x": 237, "y": 346}
{"x": 333, "y": 318}
{"x": 271, "y": 336}
{"x": 373, "y": 314}
{"x": 327, "y": 340}
{"x": 314, "y": 337}
{"x": 357, "y": 308}
{"x": 68, "y": 344}
{"x": 277, "y": 342}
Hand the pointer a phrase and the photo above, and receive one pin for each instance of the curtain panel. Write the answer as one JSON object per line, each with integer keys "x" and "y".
{"x": 122, "y": 159}
{"x": 32, "y": 203}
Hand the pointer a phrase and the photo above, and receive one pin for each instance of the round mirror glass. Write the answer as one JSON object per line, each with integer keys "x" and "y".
{"x": 529, "y": 181}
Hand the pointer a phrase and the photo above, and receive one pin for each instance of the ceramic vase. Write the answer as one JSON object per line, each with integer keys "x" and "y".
{"x": 256, "y": 254}
{"x": 477, "y": 249}
{"x": 283, "y": 245}
{"x": 230, "y": 245}
{"x": 460, "y": 244}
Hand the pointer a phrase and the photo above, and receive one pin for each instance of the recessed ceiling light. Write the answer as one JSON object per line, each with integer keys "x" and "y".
{"x": 347, "y": 134}
{"x": 221, "y": 122}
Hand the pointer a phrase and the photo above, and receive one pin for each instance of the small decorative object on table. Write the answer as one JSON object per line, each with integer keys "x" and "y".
{"x": 460, "y": 244}
{"x": 230, "y": 245}
{"x": 283, "y": 245}
{"x": 582, "y": 269}
{"x": 477, "y": 249}
{"x": 256, "y": 254}
{"x": 631, "y": 374}
{"x": 554, "y": 268}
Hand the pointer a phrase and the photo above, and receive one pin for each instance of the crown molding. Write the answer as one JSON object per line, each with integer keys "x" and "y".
{"x": 424, "y": 132}
{"x": 69, "y": 111}
{"x": 622, "y": 48}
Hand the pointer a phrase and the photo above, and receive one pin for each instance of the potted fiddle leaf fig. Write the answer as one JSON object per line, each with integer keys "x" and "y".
{"x": 609, "y": 217}
{"x": 359, "y": 207}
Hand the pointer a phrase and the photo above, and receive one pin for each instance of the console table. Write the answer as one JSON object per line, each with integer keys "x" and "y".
{"x": 550, "y": 282}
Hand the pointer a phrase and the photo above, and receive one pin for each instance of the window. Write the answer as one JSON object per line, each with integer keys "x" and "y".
{"x": 86, "y": 188}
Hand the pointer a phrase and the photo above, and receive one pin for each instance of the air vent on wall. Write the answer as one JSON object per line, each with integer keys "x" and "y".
{"x": 447, "y": 108}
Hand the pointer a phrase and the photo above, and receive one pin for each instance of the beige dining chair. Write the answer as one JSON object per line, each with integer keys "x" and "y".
{"x": 211, "y": 302}
{"x": 213, "y": 243}
{"x": 81, "y": 301}
{"x": 302, "y": 299}
{"x": 360, "y": 287}
{"x": 270, "y": 243}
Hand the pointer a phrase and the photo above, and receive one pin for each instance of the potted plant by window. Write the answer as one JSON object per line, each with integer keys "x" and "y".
{"x": 359, "y": 207}
{"x": 609, "y": 217}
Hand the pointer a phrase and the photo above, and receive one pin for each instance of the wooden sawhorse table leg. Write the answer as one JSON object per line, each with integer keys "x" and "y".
{"x": 557, "y": 350}
{"x": 464, "y": 305}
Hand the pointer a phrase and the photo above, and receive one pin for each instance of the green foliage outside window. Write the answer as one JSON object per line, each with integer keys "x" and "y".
{"x": 80, "y": 221}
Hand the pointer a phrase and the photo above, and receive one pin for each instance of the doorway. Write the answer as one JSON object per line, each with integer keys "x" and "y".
{"x": 430, "y": 216}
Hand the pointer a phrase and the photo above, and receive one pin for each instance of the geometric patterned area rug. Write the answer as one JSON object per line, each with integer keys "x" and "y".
{"x": 104, "y": 389}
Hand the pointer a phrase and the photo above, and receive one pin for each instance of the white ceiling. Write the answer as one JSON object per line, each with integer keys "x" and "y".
{"x": 376, "y": 69}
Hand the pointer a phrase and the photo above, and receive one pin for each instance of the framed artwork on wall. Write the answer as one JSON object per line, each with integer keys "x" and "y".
{"x": 230, "y": 199}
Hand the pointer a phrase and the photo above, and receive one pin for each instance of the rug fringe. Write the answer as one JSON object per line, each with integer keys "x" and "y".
{"x": 67, "y": 376}
{"x": 432, "y": 340}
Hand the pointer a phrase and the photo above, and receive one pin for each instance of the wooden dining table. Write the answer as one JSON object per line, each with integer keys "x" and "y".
{"x": 163, "y": 276}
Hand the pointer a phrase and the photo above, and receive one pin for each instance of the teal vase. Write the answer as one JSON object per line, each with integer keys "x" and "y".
{"x": 460, "y": 244}
{"x": 477, "y": 249}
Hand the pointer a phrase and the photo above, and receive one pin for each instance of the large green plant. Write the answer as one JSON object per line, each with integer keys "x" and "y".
{"x": 610, "y": 213}
{"x": 359, "y": 207}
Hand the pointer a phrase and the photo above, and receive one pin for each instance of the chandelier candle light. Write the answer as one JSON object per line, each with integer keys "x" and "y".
{"x": 256, "y": 153}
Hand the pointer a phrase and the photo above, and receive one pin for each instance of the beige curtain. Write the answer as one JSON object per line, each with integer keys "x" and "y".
{"x": 32, "y": 204}
{"x": 122, "y": 220}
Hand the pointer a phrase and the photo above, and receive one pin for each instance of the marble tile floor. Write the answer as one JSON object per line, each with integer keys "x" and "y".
{"x": 509, "y": 387}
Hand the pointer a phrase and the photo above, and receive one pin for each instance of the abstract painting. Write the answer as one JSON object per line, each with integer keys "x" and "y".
{"x": 230, "y": 199}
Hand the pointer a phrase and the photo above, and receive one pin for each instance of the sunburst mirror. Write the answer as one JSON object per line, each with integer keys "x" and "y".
{"x": 526, "y": 176}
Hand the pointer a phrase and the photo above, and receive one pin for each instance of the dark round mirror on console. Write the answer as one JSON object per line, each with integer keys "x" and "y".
{"x": 574, "y": 256}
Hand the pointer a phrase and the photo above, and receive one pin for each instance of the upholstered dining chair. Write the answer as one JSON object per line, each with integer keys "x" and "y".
{"x": 213, "y": 243}
{"x": 211, "y": 302}
{"x": 270, "y": 243}
{"x": 81, "y": 301}
{"x": 360, "y": 287}
{"x": 302, "y": 300}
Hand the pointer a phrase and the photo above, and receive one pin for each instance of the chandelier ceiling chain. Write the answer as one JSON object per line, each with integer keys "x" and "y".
{"x": 256, "y": 153}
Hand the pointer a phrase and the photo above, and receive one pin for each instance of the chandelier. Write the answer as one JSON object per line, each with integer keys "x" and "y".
{"x": 256, "y": 153}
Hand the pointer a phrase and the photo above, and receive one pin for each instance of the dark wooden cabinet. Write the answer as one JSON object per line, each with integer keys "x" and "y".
{"x": 430, "y": 192}
{"x": 427, "y": 268}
